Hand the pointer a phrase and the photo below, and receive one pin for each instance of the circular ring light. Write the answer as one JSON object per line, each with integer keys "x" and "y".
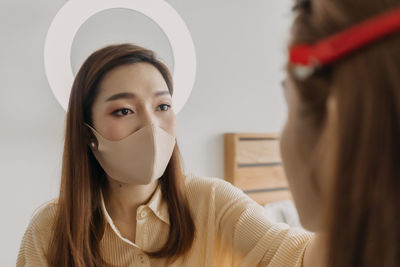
{"x": 74, "y": 13}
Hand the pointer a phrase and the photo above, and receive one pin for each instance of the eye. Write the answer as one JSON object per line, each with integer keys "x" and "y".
{"x": 163, "y": 107}
{"x": 122, "y": 112}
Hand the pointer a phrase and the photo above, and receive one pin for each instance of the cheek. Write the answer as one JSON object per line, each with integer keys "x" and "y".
{"x": 168, "y": 122}
{"x": 297, "y": 172}
{"x": 117, "y": 131}
{"x": 294, "y": 161}
{"x": 109, "y": 127}
{"x": 113, "y": 130}
{"x": 288, "y": 152}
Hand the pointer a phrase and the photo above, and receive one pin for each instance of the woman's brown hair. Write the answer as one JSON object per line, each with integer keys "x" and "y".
{"x": 79, "y": 223}
{"x": 364, "y": 206}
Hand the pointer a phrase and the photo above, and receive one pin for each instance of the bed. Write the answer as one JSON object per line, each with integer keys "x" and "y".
{"x": 253, "y": 164}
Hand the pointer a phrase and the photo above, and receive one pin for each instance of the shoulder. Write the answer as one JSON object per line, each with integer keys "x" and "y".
{"x": 203, "y": 183}
{"x": 214, "y": 189}
{"x": 193, "y": 180}
{"x": 37, "y": 236}
{"x": 44, "y": 216}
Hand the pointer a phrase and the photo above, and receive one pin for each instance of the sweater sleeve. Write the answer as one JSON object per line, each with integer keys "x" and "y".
{"x": 31, "y": 252}
{"x": 254, "y": 239}
{"x": 36, "y": 238}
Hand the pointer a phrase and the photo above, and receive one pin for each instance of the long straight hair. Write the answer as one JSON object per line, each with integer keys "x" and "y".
{"x": 364, "y": 209}
{"x": 79, "y": 223}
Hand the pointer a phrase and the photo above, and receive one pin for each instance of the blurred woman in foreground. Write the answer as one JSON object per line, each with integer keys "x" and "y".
{"x": 341, "y": 144}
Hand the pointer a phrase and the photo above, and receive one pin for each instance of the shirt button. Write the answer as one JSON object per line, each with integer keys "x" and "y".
{"x": 141, "y": 258}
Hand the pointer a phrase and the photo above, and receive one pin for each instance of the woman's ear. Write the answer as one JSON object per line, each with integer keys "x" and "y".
{"x": 92, "y": 141}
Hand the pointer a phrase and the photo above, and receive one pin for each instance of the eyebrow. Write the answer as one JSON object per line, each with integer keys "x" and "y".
{"x": 162, "y": 93}
{"x": 127, "y": 95}
{"x": 121, "y": 96}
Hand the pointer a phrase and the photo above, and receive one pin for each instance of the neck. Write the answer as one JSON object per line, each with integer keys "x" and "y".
{"x": 122, "y": 200}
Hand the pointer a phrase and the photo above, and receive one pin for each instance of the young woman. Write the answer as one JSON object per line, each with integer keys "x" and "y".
{"x": 341, "y": 144}
{"x": 124, "y": 200}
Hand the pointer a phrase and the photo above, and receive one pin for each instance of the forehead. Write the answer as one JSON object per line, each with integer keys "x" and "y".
{"x": 142, "y": 79}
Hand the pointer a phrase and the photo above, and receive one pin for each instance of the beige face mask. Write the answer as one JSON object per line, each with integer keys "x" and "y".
{"x": 139, "y": 158}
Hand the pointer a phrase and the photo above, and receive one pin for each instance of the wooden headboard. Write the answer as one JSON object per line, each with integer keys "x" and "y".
{"x": 253, "y": 163}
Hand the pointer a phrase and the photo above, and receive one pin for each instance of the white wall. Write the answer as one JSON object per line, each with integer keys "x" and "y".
{"x": 240, "y": 48}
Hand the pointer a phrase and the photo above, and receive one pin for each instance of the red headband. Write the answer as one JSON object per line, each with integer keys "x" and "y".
{"x": 308, "y": 57}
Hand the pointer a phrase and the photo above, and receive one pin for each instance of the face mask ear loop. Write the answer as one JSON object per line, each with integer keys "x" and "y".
{"x": 154, "y": 146}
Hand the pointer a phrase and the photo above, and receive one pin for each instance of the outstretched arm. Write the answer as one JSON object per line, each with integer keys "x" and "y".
{"x": 254, "y": 239}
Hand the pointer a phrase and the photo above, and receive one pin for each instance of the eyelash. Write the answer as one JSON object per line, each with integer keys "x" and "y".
{"x": 168, "y": 106}
{"x": 121, "y": 109}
